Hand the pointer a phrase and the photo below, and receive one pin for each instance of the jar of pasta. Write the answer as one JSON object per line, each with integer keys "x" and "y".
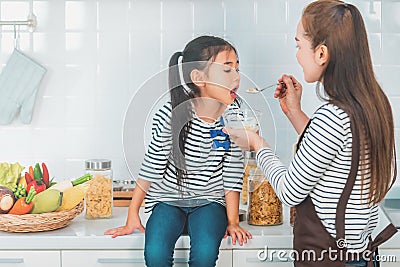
{"x": 264, "y": 207}
{"x": 99, "y": 198}
{"x": 249, "y": 163}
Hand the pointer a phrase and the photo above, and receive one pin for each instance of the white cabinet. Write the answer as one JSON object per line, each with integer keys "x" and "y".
{"x": 250, "y": 258}
{"x": 389, "y": 257}
{"x": 24, "y": 258}
{"x": 125, "y": 258}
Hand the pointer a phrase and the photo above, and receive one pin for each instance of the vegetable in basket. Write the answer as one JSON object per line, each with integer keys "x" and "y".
{"x": 38, "y": 185}
{"x": 22, "y": 181}
{"x": 31, "y": 172}
{"x": 66, "y": 184}
{"x": 47, "y": 201}
{"x": 7, "y": 199}
{"x": 10, "y": 173}
{"x": 73, "y": 196}
{"x": 23, "y": 205}
{"x": 45, "y": 175}
{"x": 37, "y": 173}
{"x": 19, "y": 191}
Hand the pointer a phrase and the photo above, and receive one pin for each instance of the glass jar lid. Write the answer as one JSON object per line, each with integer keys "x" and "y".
{"x": 98, "y": 164}
{"x": 250, "y": 154}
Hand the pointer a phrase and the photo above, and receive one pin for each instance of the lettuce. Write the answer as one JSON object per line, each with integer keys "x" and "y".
{"x": 10, "y": 173}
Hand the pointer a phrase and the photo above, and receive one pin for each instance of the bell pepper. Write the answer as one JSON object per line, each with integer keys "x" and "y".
{"x": 37, "y": 173}
{"x": 23, "y": 205}
{"x": 28, "y": 178}
{"x": 45, "y": 175}
{"x": 38, "y": 185}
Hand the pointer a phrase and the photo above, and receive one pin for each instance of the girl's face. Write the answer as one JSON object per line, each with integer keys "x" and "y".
{"x": 308, "y": 57}
{"x": 221, "y": 78}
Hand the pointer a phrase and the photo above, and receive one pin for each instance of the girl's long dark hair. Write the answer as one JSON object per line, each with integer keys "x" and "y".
{"x": 349, "y": 83}
{"x": 196, "y": 55}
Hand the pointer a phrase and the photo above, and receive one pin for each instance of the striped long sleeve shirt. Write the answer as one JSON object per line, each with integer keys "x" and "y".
{"x": 210, "y": 171}
{"x": 320, "y": 169}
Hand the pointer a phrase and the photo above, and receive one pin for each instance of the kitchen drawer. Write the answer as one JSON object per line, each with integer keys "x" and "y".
{"x": 125, "y": 258}
{"x": 389, "y": 257}
{"x": 24, "y": 258}
{"x": 249, "y": 258}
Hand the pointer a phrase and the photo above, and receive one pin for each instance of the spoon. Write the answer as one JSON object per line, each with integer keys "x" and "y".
{"x": 254, "y": 90}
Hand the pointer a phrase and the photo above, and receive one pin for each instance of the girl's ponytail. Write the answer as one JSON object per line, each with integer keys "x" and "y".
{"x": 180, "y": 117}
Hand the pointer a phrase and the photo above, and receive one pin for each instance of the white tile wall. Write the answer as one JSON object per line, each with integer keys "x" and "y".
{"x": 99, "y": 52}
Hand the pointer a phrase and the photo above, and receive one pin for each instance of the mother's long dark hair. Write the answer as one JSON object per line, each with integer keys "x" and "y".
{"x": 349, "y": 82}
{"x": 196, "y": 55}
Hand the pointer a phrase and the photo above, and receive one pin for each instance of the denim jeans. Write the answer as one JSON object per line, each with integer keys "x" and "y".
{"x": 360, "y": 263}
{"x": 205, "y": 225}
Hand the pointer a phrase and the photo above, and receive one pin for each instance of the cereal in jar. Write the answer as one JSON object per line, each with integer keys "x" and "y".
{"x": 264, "y": 206}
{"x": 99, "y": 198}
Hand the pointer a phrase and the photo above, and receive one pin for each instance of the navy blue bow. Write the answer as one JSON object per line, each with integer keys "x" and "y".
{"x": 215, "y": 133}
{"x": 225, "y": 144}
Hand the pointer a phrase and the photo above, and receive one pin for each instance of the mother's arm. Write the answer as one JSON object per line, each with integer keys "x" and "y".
{"x": 289, "y": 96}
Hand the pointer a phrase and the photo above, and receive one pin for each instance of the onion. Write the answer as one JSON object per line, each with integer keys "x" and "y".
{"x": 7, "y": 199}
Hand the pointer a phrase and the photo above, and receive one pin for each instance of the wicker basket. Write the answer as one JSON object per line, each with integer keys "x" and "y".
{"x": 38, "y": 222}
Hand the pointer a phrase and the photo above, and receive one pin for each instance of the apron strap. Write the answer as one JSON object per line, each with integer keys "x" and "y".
{"x": 344, "y": 198}
{"x": 302, "y": 135}
{"x": 382, "y": 237}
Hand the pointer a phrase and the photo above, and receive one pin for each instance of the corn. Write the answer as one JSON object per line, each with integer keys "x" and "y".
{"x": 73, "y": 196}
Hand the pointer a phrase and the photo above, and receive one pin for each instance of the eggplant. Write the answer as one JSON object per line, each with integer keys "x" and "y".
{"x": 7, "y": 199}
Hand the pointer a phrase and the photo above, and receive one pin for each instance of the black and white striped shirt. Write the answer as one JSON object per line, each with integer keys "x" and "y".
{"x": 320, "y": 169}
{"x": 209, "y": 171}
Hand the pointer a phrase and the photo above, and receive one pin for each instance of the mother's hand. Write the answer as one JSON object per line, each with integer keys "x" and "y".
{"x": 245, "y": 139}
{"x": 289, "y": 92}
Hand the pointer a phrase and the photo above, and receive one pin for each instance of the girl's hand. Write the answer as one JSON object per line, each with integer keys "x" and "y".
{"x": 245, "y": 139}
{"x": 127, "y": 229}
{"x": 289, "y": 94}
{"x": 237, "y": 232}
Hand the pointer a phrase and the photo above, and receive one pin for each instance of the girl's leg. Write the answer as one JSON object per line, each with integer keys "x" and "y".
{"x": 206, "y": 228}
{"x": 360, "y": 263}
{"x": 163, "y": 229}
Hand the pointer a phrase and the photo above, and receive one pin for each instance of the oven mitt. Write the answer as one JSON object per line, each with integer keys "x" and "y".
{"x": 19, "y": 83}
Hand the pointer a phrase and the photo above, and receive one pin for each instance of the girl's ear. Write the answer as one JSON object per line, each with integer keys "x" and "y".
{"x": 198, "y": 78}
{"x": 321, "y": 54}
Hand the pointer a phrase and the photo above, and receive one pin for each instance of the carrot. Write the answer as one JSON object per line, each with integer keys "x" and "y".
{"x": 24, "y": 204}
{"x": 31, "y": 171}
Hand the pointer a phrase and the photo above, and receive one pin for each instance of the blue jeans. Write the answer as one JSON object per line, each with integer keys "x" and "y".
{"x": 360, "y": 263}
{"x": 206, "y": 226}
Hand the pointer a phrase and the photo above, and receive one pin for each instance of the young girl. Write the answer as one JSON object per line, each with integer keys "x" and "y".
{"x": 191, "y": 174}
{"x": 346, "y": 161}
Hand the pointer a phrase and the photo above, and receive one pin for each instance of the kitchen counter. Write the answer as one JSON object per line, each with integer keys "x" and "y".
{"x": 88, "y": 234}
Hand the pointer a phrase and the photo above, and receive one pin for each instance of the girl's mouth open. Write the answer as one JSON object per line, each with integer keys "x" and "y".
{"x": 233, "y": 93}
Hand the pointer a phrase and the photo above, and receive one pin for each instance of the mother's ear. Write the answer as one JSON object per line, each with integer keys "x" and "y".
{"x": 321, "y": 54}
{"x": 197, "y": 77}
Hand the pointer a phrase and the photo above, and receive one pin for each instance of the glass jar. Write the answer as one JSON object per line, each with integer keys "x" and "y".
{"x": 99, "y": 198}
{"x": 293, "y": 209}
{"x": 292, "y": 215}
{"x": 249, "y": 163}
{"x": 264, "y": 206}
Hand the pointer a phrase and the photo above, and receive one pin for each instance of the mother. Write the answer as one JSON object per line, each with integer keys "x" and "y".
{"x": 345, "y": 162}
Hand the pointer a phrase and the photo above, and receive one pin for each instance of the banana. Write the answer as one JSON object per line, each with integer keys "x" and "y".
{"x": 47, "y": 201}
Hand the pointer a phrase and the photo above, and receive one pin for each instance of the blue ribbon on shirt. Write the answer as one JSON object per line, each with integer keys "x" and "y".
{"x": 215, "y": 133}
{"x": 217, "y": 144}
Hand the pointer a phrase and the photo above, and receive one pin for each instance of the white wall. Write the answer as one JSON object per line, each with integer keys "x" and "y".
{"x": 98, "y": 53}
